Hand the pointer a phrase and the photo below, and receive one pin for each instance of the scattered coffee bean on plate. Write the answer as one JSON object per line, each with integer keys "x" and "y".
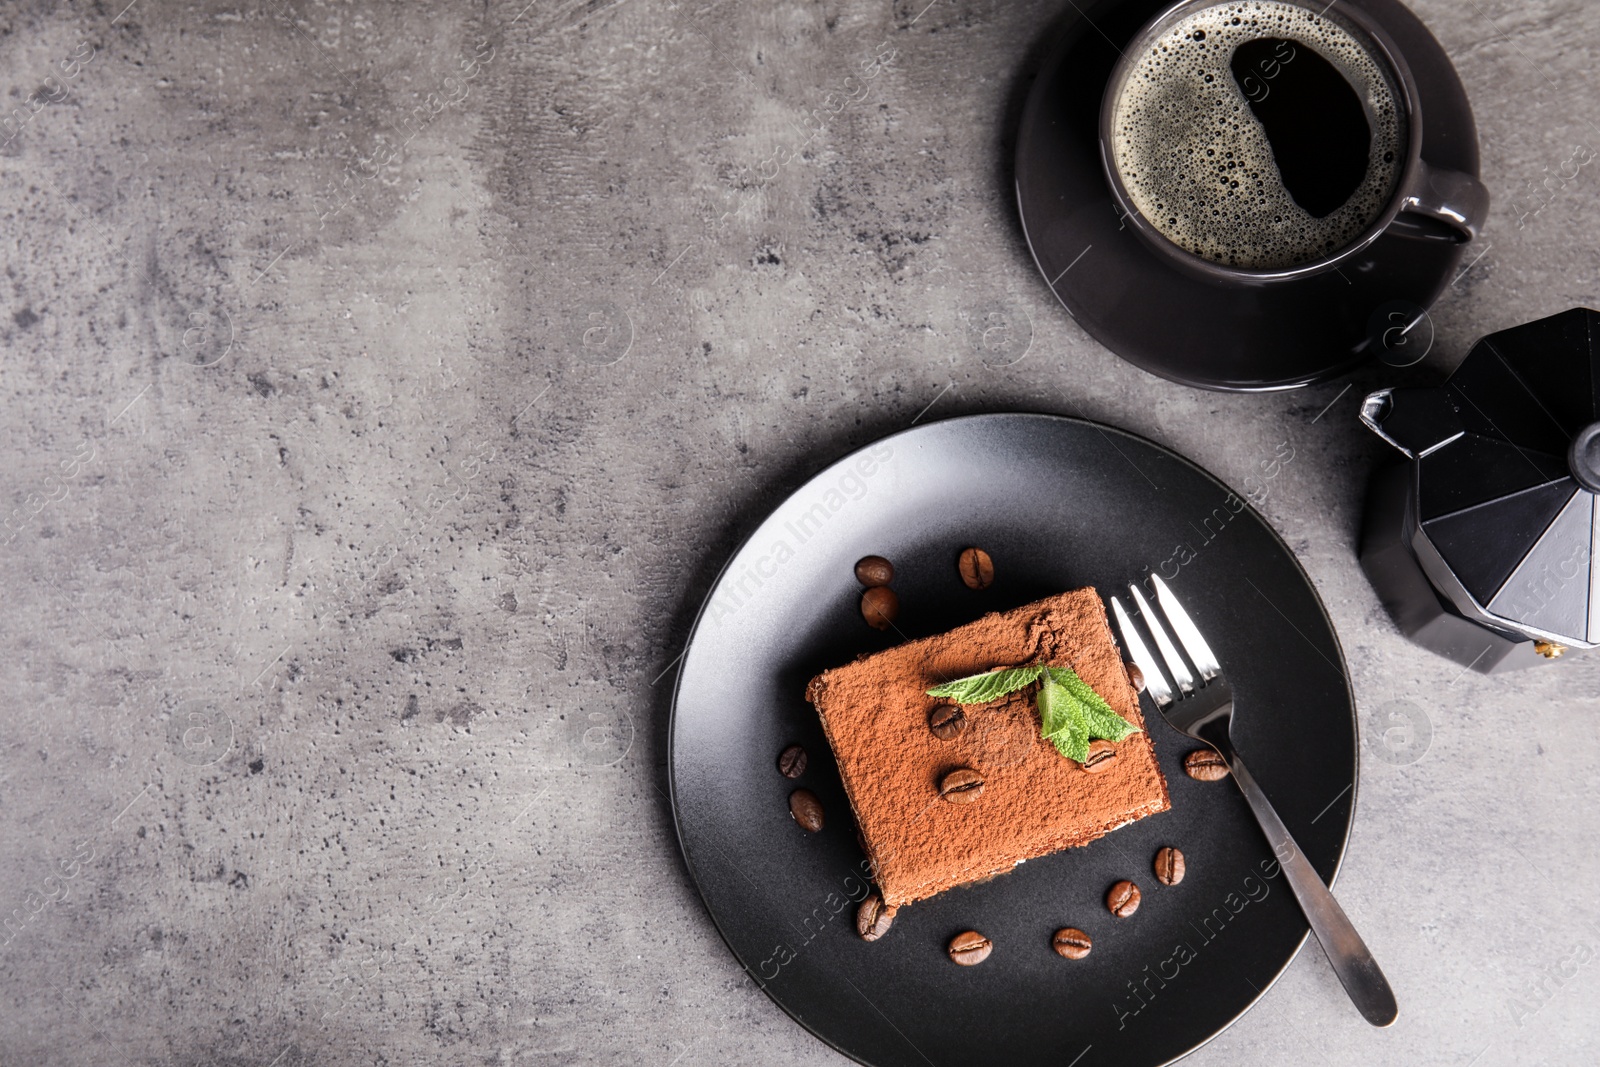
{"x": 977, "y": 569}
{"x": 1123, "y": 899}
{"x": 961, "y": 786}
{"x": 947, "y": 721}
{"x": 792, "y": 761}
{"x": 873, "y": 571}
{"x": 1169, "y": 866}
{"x": 970, "y": 948}
{"x": 806, "y": 809}
{"x": 1102, "y": 754}
{"x": 1206, "y": 765}
{"x": 1072, "y": 943}
{"x": 879, "y": 606}
{"x": 1135, "y": 676}
{"x": 873, "y": 917}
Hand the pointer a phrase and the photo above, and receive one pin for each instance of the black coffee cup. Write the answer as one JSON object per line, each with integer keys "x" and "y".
{"x": 1426, "y": 201}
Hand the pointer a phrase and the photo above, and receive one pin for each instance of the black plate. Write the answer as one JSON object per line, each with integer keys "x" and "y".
{"x": 1169, "y": 323}
{"x": 1060, "y": 503}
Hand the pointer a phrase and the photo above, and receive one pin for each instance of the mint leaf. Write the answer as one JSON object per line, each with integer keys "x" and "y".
{"x": 1056, "y": 712}
{"x": 1098, "y": 716}
{"x": 1109, "y": 725}
{"x": 1074, "y": 746}
{"x": 991, "y": 685}
{"x": 1071, "y": 713}
{"x": 1061, "y": 722}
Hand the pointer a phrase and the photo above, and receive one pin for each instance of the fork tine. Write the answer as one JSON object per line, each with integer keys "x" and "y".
{"x": 1169, "y": 652}
{"x": 1188, "y": 633}
{"x": 1154, "y": 680}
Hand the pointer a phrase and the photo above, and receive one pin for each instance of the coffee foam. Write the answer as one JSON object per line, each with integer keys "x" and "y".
{"x": 1197, "y": 164}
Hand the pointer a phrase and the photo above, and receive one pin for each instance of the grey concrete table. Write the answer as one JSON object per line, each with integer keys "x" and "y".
{"x": 384, "y": 383}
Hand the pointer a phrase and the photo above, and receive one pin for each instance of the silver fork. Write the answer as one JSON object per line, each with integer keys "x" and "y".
{"x": 1204, "y": 710}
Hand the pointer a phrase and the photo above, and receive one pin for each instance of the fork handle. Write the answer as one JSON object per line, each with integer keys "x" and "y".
{"x": 1351, "y": 960}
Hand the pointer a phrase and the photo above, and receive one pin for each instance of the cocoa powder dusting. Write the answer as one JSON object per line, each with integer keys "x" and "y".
{"x": 1034, "y": 800}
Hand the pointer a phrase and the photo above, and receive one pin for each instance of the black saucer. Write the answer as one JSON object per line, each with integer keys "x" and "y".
{"x": 1179, "y": 327}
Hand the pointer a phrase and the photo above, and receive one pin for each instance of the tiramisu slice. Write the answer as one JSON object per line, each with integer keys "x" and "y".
{"x": 947, "y": 793}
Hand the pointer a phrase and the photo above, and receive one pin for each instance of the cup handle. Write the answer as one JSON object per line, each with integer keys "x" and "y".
{"x": 1458, "y": 200}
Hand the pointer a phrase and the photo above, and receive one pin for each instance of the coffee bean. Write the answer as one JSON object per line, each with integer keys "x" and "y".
{"x": 1072, "y": 943}
{"x": 1169, "y": 866}
{"x": 1102, "y": 754}
{"x": 806, "y": 809}
{"x": 873, "y": 917}
{"x": 961, "y": 786}
{"x": 873, "y": 571}
{"x": 1206, "y": 765}
{"x": 977, "y": 569}
{"x": 792, "y": 761}
{"x": 1123, "y": 899}
{"x": 1135, "y": 676}
{"x": 947, "y": 721}
{"x": 879, "y": 606}
{"x": 970, "y": 948}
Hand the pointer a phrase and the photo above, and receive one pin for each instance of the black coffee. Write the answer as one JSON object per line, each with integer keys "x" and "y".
{"x": 1321, "y": 162}
{"x": 1259, "y": 134}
